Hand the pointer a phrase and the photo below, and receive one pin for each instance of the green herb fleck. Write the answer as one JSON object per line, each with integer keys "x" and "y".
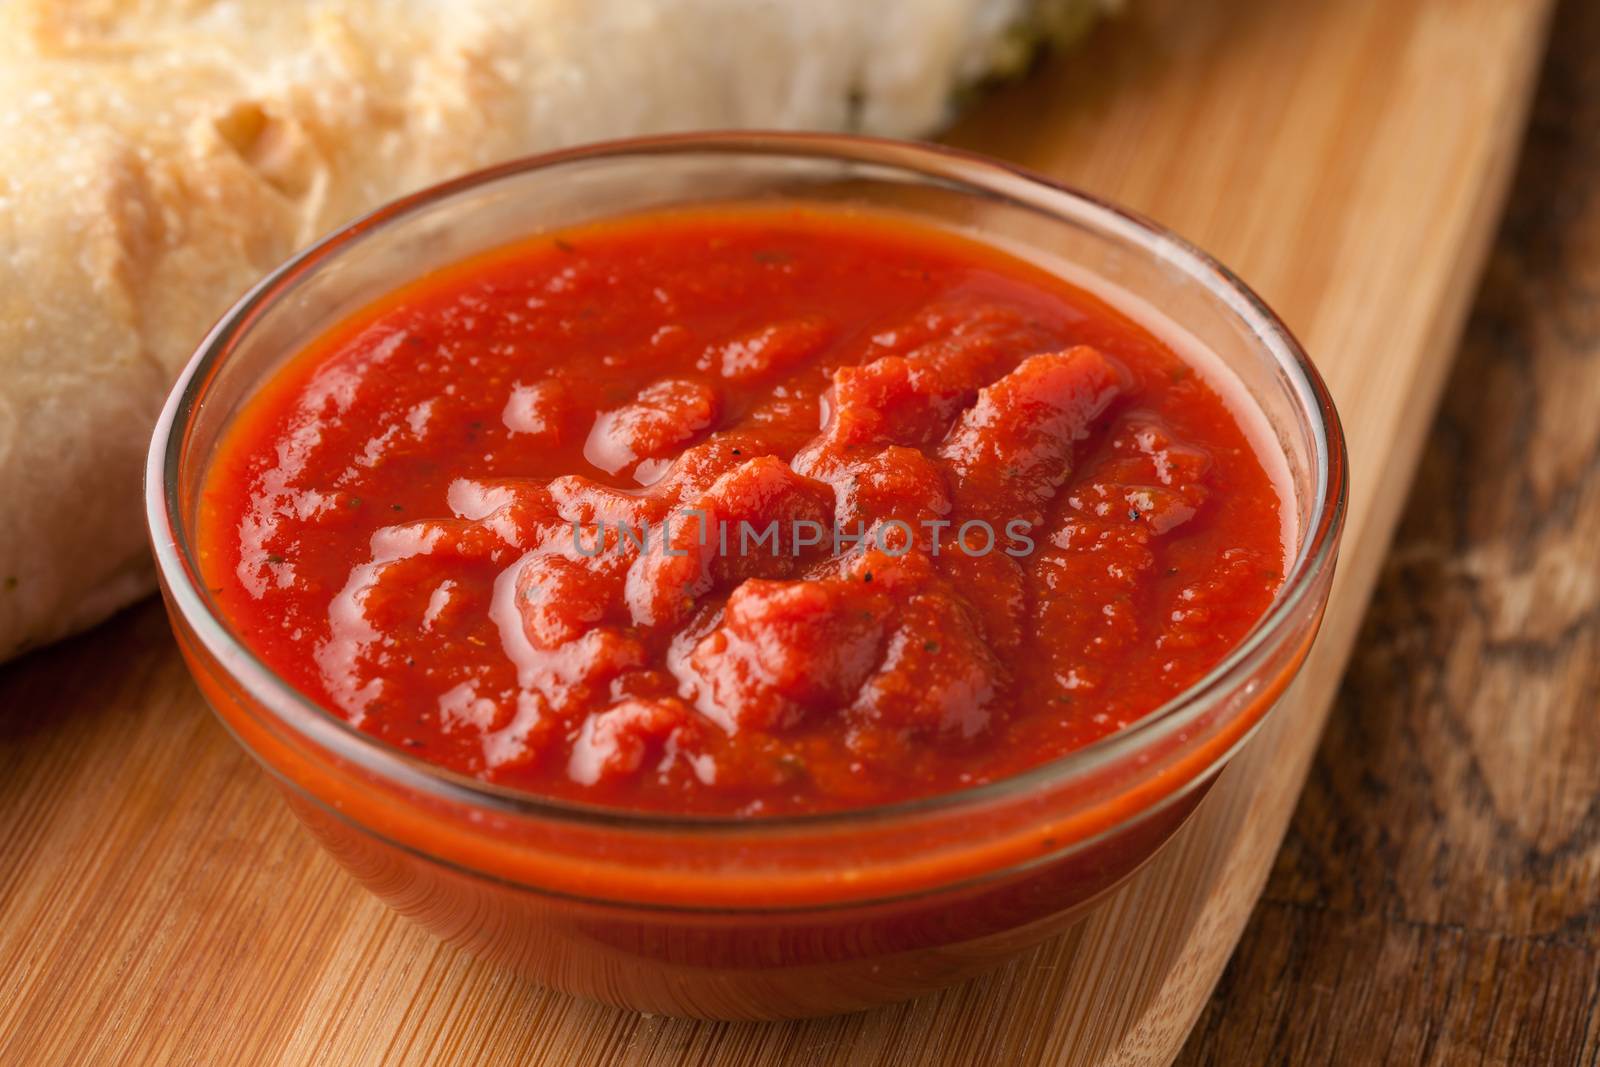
{"x": 565, "y": 246}
{"x": 353, "y": 502}
{"x": 868, "y": 577}
{"x": 930, "y": 646}
{"x": 791, "y": 764}
{"x": 273, "y": 557}
{"x": 396, "y": 507}
{"x": 1133, "y": 514}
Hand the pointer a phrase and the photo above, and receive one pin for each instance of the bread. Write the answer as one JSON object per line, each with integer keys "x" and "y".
{"x": 158, "y": 157}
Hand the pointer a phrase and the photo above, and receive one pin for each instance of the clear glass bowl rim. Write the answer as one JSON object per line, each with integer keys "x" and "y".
{"x": 974, "y": 173}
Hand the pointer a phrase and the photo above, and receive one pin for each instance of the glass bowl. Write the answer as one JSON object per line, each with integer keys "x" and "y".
{"x": 773, "y": 917}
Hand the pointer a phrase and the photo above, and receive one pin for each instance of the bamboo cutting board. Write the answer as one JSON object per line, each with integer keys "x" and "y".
{"x": 159, "y": 904}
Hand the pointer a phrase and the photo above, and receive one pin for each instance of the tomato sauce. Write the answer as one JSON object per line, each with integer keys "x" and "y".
{"x": 752, "y": 510}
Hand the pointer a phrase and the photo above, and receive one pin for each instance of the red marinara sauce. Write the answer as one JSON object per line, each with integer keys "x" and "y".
{"x": 748, "y": 510}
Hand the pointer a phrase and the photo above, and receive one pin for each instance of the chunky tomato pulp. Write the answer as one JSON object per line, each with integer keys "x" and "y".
{"x": 754, "y": 510}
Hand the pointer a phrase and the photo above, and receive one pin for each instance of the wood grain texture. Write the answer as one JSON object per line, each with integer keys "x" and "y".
{"x": 1436, "y": 900}
{"x": 158, "y": 903}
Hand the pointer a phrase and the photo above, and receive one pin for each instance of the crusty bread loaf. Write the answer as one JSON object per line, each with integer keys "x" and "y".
{"x": 158, "y": 156}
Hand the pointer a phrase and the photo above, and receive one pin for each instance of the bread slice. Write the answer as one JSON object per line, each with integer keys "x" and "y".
{"x": 158, "y": 156}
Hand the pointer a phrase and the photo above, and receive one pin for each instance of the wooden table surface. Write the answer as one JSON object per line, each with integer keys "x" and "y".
{"x": 157, "y": 902}
{"x": 1437, "y": 899}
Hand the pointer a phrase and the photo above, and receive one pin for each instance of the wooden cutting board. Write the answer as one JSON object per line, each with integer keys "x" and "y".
{"x": 159, "y": 904}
